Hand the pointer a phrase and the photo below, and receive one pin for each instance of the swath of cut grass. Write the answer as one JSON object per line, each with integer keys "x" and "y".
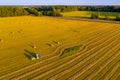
{"x": 19, "y": 67}
{"x": 80, "y": 67}
{"x": 86, "y": 40}
{"x": 54, "y": 69}
{"x": 67, "y": 70}
{"x": 99, "y": 63}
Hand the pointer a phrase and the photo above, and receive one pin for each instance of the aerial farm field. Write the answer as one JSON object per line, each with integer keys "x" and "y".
{"x": 68, "y": 49}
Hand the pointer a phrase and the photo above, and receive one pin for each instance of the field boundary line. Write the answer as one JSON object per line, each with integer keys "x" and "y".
{"x": 88, "y": 20}
{"x": 95, "y": 38}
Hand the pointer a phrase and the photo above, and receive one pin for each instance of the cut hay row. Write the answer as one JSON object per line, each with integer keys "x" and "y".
{"x": 51, "y": 70}
{"x": 113, "y": 70}
{"x": 116, "y": 75}
{"x": 100, "y": 38}
{"x": 92, "y": 67}
{"x": 70, "y": 69}
{"x": 107, "y": 68}
{"x": 44, "y": 66}
{"x": 81, "y": 66}
{"x": 100, "y": 67}
{"x": 44, "y": 62}
{"x": 58, "y": 49}
{"x": 80, "y": 63}
{"x": 101, "y": 75}
{"x": 32, "y": 72}
{"x": 33, "y": 64}
{"x": 101, "y": 35}
{"x": 48, "y": 63}
{"x": 30, "y": 66}
{"x": 61, "y": 48}
{"x": 18, "y": 74}
{"x": 98, "y": 35}
{"x": 88, "y": 42}
{"x": 25, "y": 68}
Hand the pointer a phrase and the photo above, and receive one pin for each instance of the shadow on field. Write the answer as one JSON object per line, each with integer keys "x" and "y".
{"x": 29, "y": 54}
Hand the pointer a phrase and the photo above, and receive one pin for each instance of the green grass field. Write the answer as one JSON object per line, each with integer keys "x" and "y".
{"x": 87, "y": 14}
{"x": 22, "y": 36}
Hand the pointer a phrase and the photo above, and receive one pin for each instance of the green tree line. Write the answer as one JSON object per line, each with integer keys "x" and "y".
{"x": 12, "y": 11}
{"x": 55, "y": 10}
{"x": 100, "y": 8}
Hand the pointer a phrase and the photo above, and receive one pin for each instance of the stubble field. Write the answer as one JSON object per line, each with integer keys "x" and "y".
{"x": 99, "y": 59}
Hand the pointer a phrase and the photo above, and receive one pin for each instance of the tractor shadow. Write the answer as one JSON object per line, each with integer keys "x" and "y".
{"x": 29, "y": 54}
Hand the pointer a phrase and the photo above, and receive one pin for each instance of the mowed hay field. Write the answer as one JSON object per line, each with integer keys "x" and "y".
{"x": 19, "y": 36}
